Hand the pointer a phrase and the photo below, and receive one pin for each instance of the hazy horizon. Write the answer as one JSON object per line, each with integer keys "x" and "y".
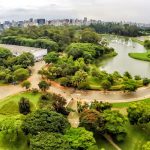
{"x": 106, "y": 10}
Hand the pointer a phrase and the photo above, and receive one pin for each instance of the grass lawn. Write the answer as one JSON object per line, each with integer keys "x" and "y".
{"x": 140, "y": 56}
{"x": 9, "y": 105}
{"x": 123, "y": 105}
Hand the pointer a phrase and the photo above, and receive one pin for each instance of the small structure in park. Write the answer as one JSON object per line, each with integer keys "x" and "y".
{"x": 18, "y": 50}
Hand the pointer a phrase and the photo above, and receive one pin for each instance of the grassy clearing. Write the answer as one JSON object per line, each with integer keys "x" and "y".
{"x": 122, "y": 105}
{"x": 140, "y": 56}
{"x": 9, "y": 105}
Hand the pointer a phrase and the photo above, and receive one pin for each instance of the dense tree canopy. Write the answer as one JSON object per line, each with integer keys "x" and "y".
{"x": 44, "y": 120}
{"x": 139, "y": 113}
{"x": 74, "y": 139}
{"x": 79, "y": 138}
{"x": 117, "y": 28}
{"x": 88, "y": 51}
{"x": 5, "y": 53}
{"x": 89, "y": 36}
{"x": 51, "y": 57}
{"x": 49, "y": 141}
{"x": 26, "y": 60}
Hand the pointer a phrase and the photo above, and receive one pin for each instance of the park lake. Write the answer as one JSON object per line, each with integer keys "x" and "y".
{"x": 122, "y": 62}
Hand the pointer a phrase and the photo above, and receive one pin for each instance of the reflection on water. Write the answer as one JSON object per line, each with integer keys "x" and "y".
{"x": 122, "y": 62}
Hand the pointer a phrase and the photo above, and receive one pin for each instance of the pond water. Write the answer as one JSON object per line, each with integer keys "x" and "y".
{"x": 122, "y": 62}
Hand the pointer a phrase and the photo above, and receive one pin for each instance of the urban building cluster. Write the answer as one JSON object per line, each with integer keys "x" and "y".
{"x": 42, "y": 21}
{"x": 57, "y": 22}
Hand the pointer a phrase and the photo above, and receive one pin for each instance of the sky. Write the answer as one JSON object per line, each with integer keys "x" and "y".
{"x": 106, "y": 10}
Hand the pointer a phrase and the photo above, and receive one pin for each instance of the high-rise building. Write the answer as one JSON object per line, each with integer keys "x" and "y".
{"x": 41, "y": 21}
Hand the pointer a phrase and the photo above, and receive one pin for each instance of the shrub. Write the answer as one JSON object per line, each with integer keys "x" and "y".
{"x": 137, "y": 78}
{"x": 35, "y": 91}
{"x": 84, "y": 86}
{"x": 65, "y": 81}
{"x": 24, "y": 106}
{"x": 43, "y": 85}
{"x": 146, "y": 81}
{"x": 26, "y": 84}
{"x": 21, "y": 74}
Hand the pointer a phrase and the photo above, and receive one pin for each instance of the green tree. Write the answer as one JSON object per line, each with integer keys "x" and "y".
{"x": 92, "y": 120}
{"x": 24, "y": 106}
{"x": 100, "y": 106}
{"x": 5, "y": 53}
{"x": 146, "y": 81}
{"x": 139, "y": 113}
{"x": 59, "y": 104}
{"x": 51, "y": 57}
{"x": 79, "y": 77}
{"x": 26, "y": 60}
{"x": 49, "y": 141}
{"x": 130, "y": 86}
{"x": 21, "y": 74}
{"x": 44, "y": 121}
{"x": 79, "y": 138}
{"x": 115, "y": 124}
{"x": 106, "y": 85}
{"x": 26, "y": 84}
{"x": 43, "y": 85}
{"x": 89, "y": 36}
{"x": 128, "y": 75}
{"x": 11, "y": 133}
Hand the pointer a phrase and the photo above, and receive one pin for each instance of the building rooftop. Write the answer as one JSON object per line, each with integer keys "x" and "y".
{"x": 17, "y": 50}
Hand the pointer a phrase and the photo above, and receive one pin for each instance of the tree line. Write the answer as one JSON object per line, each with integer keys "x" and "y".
{"x": 117, "y": 28}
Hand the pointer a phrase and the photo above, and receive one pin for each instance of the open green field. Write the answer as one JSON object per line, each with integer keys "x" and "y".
{"x": 9, "y": 105}
{"x": 140, "y": 56}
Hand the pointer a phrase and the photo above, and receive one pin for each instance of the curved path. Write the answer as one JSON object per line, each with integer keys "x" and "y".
{"x": 69, "y": 93}
{"x": 8, "y": 90}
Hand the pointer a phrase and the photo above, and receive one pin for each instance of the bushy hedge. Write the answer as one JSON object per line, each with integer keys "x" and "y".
{"x": 39, "y": 43}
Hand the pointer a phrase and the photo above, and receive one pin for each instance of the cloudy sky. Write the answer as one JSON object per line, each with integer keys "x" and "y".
{"x": 107, "y": 10}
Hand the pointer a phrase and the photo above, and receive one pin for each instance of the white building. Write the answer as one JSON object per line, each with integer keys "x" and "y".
{"x": 18, "y": 50}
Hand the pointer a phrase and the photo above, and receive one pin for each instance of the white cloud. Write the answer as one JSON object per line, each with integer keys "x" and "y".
{"x": 112, "y": 10}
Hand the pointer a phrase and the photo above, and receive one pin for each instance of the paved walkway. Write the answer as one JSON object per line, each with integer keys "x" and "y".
{"x": 69, "y": 93}
{"x": 9, "y": 90}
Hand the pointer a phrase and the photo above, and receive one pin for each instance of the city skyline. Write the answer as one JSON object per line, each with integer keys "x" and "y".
{"x": 106, "y": 10}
